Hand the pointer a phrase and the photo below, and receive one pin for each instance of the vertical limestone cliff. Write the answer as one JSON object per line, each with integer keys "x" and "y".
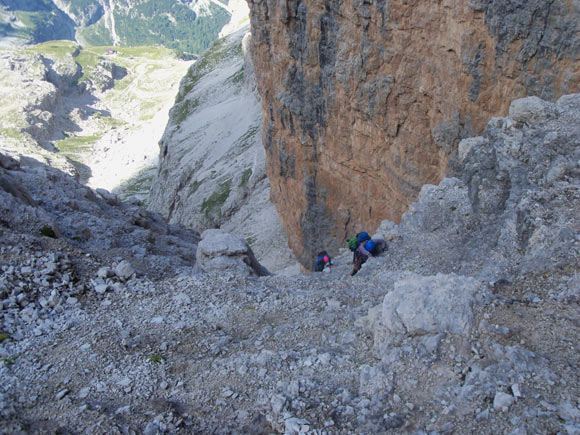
{"x": 364, "y": 101}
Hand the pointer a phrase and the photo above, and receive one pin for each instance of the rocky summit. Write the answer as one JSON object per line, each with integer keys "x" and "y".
{"x": 468, "y": 323}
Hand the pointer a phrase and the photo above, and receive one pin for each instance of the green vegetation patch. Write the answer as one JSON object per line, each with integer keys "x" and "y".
{"x": 74, "y": 147}
{"x": 156, "y": 358}
{"x": 148, "y": 52}
{"x": 238, "y": 77}
{"x": 182, "y": 110}
{"x": 43, "y": 24}
{"x": 247, "y": 139}
{"x": 54, "y": 49}
{"x": 217, "y": 53}
{"x": 88, "y": 60}
{"x": 47, "y": 231}
{"x": 12, "y": 133}
{"x": 107, "y": 122}
{"x": 245, "y": 177}
{"x": 212, "y": 205}
{"x": 194, "y": 186}
{"x": 9, "y": 360}
{"x": 149, "y": 109}
{"x": 3, "y": 337}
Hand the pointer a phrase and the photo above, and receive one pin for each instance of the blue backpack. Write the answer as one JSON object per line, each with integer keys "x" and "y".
{"x": 363, "y": 237}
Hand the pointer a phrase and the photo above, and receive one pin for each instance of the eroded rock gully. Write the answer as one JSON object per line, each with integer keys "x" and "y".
{"x": 365, "y": 101}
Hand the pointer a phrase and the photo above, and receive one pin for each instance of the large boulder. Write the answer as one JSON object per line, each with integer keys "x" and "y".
{"x": 219, "y": 251}
{"x": 428, "y": 305}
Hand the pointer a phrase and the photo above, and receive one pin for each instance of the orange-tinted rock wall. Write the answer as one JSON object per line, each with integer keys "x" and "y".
{"x": 364, "y": 101}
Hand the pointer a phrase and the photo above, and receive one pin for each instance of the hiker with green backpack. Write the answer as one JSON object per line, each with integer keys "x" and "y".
{"x": 363, "y": 247}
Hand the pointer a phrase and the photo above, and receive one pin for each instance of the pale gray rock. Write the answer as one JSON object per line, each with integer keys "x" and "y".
{"x": 293, "y": 426}
{"x": 502, "y": 401}
{"x": 387, "y": 231}
{"x": 124, "y": 270}
{"x": 61, "y": 394}
{"x": 572, "y": 429}
{"x": 182, "y": 299}
{"x": 220, "y": 252}
{"x": 375, "y": 381}
{"x": 466, "y": 145}
{"x": 111, "y": 198}
{"x": 429, "y": 305}
{"x": 152, "y": 428}
{"x": 105, "y": 272}
{"x": 531, "y": 110}
{"x": 124, "y": 410}
{"x": 568, "y": 412}
{"x": 101, "y": 287}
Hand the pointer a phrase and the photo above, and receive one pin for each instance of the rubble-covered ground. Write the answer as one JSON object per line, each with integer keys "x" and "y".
{"x": 469, "y": 323}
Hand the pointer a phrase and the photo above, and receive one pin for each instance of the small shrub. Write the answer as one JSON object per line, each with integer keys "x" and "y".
{"x": 247, "y": 139}
{"x": 182, "y": 110}
{"x": 238, "y": 77}
{"x": 156, "y": 358}
{"x": 194, "y": 186}
{"x": 9, "y": 360}
{"x": 3, "y": 337}
{"x": 245, "y": 177}
{"x": 213, "y": 204}
{"x": 47, "y": 231}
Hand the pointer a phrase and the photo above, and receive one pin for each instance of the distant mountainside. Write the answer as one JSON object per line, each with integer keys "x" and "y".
{"x": 96, "y": 112}
{"x": 188, "y": 26}
{"x": 212, "y": 165}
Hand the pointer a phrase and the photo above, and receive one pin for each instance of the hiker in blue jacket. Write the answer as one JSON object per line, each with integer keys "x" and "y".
{"x": 365, "y": 250}
{"x": 377, "y": 247}
{"x": 322, "y": 260}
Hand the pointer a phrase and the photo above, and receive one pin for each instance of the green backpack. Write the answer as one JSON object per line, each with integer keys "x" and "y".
{"x": 357, "y": 240}
{"x": 352, "y": 243}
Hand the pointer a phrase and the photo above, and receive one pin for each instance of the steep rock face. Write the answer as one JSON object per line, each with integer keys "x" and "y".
{"x": 364, "y": 102}
{"x": 212, "y": 169}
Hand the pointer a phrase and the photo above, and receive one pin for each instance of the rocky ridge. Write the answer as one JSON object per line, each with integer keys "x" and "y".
{"x": 467, "y": 324}
{"x": 365, "y": 102}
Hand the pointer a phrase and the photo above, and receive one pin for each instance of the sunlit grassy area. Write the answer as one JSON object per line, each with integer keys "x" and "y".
{"x": 76, "y": 147}
{"x": 11, "y": 133}
{"x": 52, "y": 49}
